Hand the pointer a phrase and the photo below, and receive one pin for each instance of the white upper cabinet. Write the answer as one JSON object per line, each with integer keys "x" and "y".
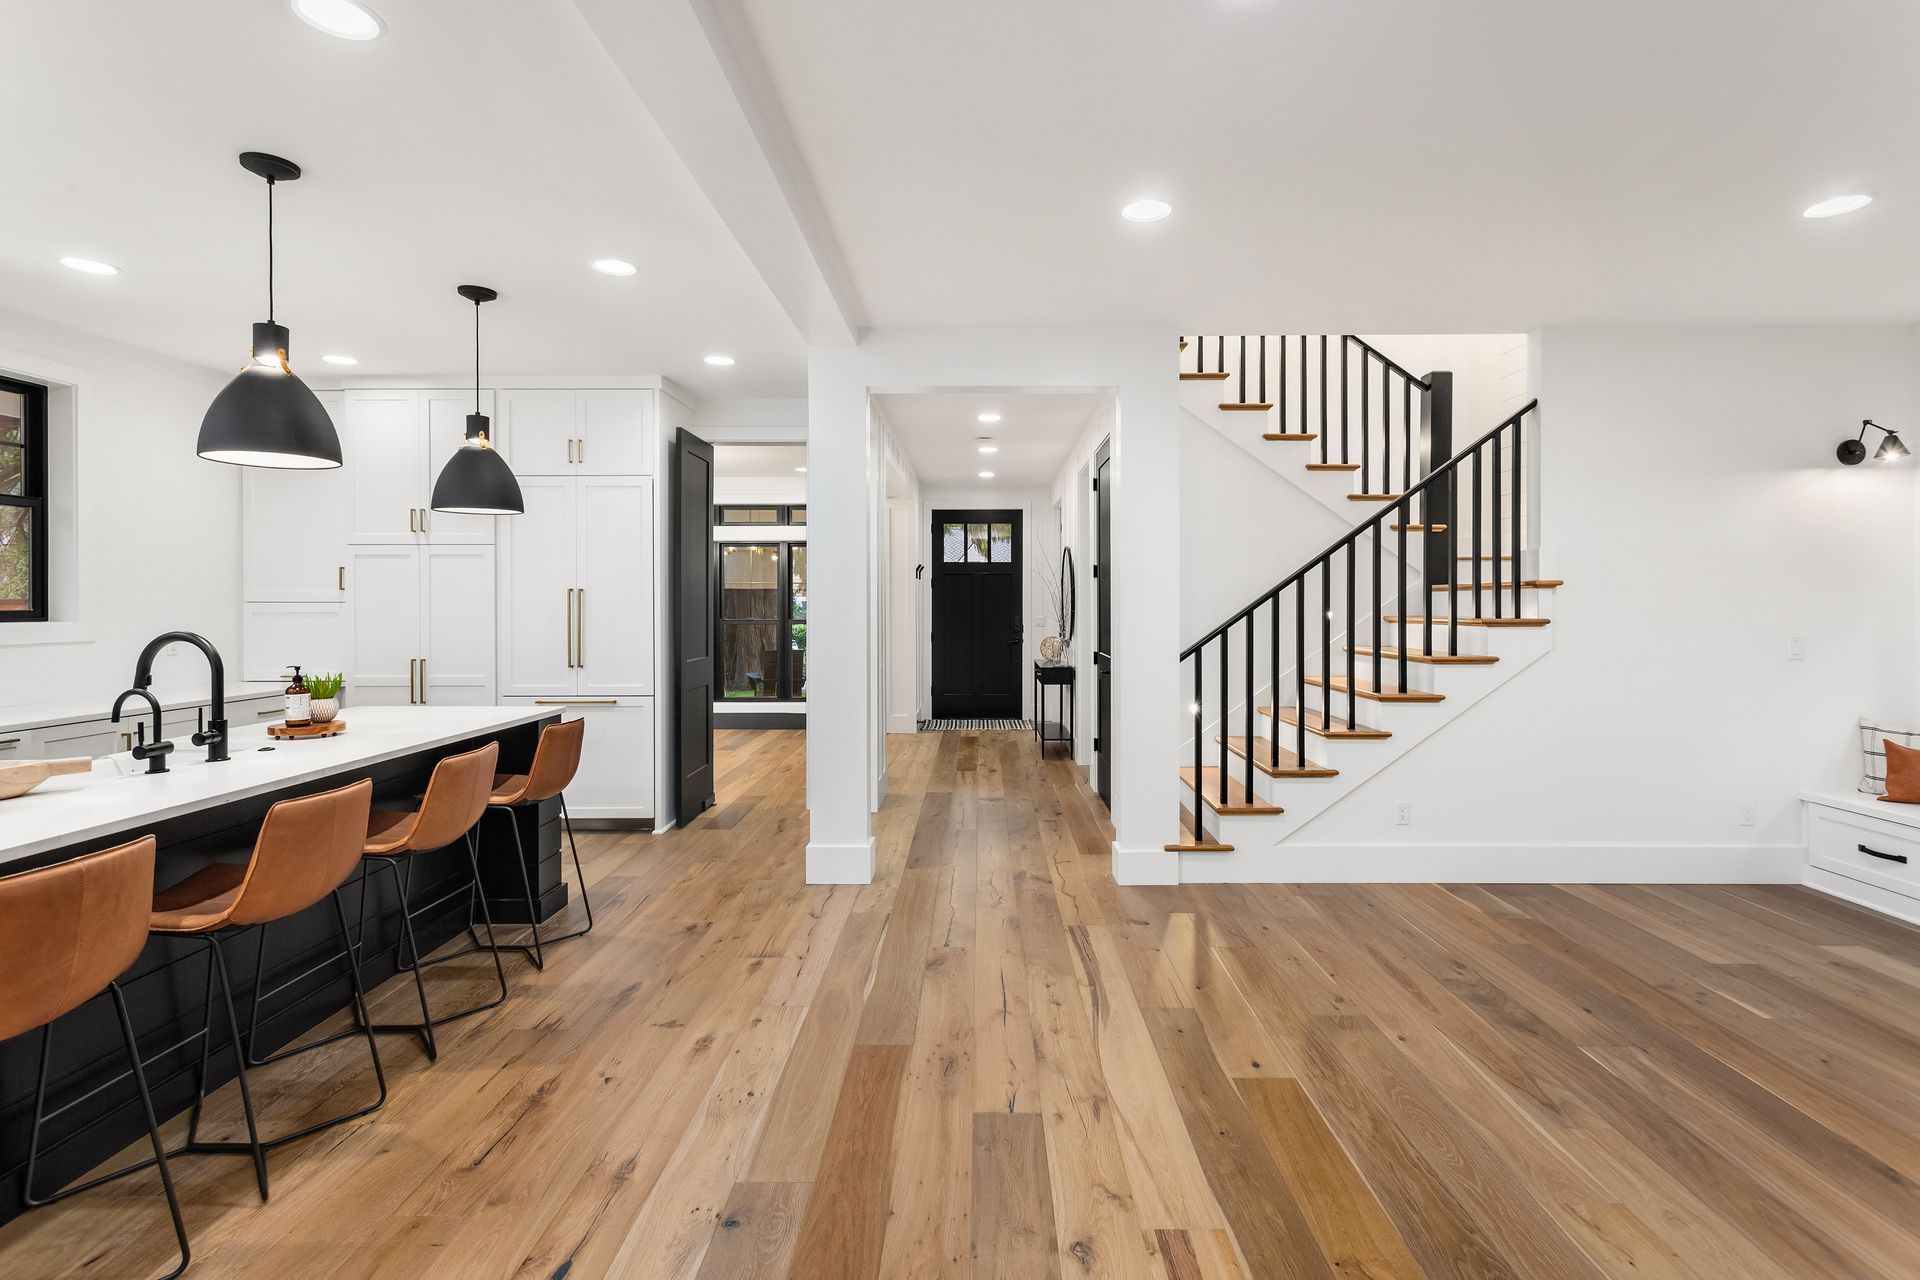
{"x": 539, "y": 431}
{"x": 446, "y": 413}
{"x": 456, "y": 603}
{"x": 386, "y": 459}
{"x": 587, "y": 433}
{"x": 296, "y": 524}
{"x": 537, "y": 589}
{"x": 614, "y": 616}
{"x": 616, "y": 433}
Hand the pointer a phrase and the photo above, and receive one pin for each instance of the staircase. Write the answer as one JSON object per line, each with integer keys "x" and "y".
{"x": 1429, "y": 603}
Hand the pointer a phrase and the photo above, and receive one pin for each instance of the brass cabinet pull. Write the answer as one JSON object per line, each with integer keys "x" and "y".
{"x": 343, "y": 577}
{"x": 580, "y": 612}
{"x": 569, "y": 450}
{"x": 581, "y": 451}
{"x": 423, "y": 682}
{"x": 569, "y": 628}
{"x": 411, "y": 662}
{"x": 269, "y": 711}
{"x": 575, "y": 702}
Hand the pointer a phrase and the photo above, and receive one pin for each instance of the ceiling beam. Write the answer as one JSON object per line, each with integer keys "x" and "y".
{"x": 697, "y": 69}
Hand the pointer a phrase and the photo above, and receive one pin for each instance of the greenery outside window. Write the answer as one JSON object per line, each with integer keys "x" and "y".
{"x": 23, "y": 502}
{"x": 763, "y": 621}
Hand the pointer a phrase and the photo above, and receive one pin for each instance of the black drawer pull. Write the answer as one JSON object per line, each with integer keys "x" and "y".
{"x": 1900, "y": 858}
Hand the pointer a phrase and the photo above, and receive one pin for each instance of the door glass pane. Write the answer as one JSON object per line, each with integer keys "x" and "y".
{"x": 749, "y": 581}
{"x": 749, "y": 660}
{"x": 798, "y": 658}
{"x": 12, "y": 410}
{"x": 797, "y": 557}
{"x": 1000, "y": 544}
{"x": 976, "y": 544}
{"x": 953, "y": 544}
{"x": 13, "y": 469}
{"x": 796, "y": 515}
{"x": 749, "y": 515}
{"x": 16, "y": 559}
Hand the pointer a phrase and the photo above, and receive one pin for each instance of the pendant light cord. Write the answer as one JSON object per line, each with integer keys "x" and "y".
{"x": 476, "y": 356}
{"x": 269, "y": 249}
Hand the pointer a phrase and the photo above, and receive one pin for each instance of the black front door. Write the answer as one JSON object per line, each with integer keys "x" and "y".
{"x": 976, "y": 615}
{"x": 1103, "y": 618}
{"x": 693, "y": 604}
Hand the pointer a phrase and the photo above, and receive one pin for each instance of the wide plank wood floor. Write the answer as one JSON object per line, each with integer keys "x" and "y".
{"x": 993, "y": 1062}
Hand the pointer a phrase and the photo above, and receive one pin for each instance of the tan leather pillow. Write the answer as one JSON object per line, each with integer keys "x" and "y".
{"x": 1903, "y": 773}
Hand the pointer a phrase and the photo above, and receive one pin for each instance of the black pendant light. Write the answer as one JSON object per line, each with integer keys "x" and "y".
{"x": 476, "y": 480}
{"x": 267, "y": 417}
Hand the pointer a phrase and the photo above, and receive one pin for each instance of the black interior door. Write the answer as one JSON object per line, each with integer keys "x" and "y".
{"x": 1102, "y": 627}
{"x": 693, "y": 614}
{"x": 976, "y": 615}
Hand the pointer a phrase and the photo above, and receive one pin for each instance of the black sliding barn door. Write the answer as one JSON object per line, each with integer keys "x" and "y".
{"x": 693, "y": 605}
{"x": 1103, "y": 618}
{"x": 976, "y": 615}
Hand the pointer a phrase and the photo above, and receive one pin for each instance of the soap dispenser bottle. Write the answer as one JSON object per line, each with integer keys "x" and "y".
{"x": 299, "y": 702}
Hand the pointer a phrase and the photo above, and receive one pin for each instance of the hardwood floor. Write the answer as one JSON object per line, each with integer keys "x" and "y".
{"x": 993, "y": 1062}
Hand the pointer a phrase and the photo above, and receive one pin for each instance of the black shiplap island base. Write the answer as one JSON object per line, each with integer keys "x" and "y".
{"x": 200, "y": 813}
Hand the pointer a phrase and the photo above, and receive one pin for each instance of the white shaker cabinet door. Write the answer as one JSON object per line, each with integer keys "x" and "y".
{"x": 537, "y": 591}
{"x": 617, "y": 433}
{"x": 615, "y": 778}
{"x": 386, "y": 459}
{"x": 457, "y": 599}
{"x": 294, "y": 528}
{"x": 445, "y": 414}
{"x": 540, "y": 431}
{"x": 614, "y": 629}
{"x": 384, "y": 591}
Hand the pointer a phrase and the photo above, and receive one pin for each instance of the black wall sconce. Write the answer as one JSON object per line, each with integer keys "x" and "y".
{"x": 1853, "y": 452}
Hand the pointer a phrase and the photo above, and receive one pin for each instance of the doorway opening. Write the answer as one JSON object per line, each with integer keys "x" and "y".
{"x": 978, "y": 625}
{"x": 759, "y": 524}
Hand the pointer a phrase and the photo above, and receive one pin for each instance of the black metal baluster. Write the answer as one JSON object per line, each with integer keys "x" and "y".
{"x": 1376, "y": 604}
{"x": 1273, "y": 684}
{"x": 1519, "y": 427}
{"x": 1352, "y": 685}
{"x": 1249, "y": 712}
{"x": 1323, "y": 399}
{"x": 1476, "y": 531}
{"x": 1499, "y": 604}
{"x": 1452, "y": 517}
{"x": 1344, "y": 344}
{"x": 1283, "y": 386}
{"x": 1226, "y": 712}
{"x": 1386, "y": 434}
{"x": 1303, "y": 382}
{"x": 1299, "y": 674}
{"x": 1406, "y": 514}
{"x": 1263, "y": 368}
{"x": 1199, "y": 731}
{"x": 1243, "y": 368}
{"x": 1366, "y": 430}
{"x": 1326, "y": 643}
{"x": 1406, "y": 425}
{"x": 1220, "y": 353}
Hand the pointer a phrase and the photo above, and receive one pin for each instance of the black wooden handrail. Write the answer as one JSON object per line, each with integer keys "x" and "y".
{"x": 1387, "y": 360}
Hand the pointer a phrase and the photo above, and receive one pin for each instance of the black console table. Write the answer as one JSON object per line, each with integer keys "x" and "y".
{"x": 1045, "y": 730}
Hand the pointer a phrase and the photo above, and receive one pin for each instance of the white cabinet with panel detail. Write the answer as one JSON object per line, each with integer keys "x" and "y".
{"x": 395, "y": 443}
{"x": 422, "y": 626}
{"x": 606, "y": 432}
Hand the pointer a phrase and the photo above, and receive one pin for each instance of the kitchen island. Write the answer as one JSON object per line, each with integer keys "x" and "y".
{"x": 202, "y": 812}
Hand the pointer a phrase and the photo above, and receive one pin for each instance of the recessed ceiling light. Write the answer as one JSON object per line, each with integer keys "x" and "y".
{"x": 89, "y": 266}
{"x": 336, "y": 358}
{"x": 989, "y": 448}
{"x": 341, "y": 18}
{"x": 614, "y": 267}
{"x": 720, "y": 360}
{"x": 989, "y": 417}
{"x": 986, "y": 475}
{"x": 1836, "y": 206}
{"x": 1146, "y": 211}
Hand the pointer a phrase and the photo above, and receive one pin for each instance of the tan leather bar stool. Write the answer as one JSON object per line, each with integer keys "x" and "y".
{"x": 66, "y": 933}
{"x": 555, "y": 760}
{"x": 456, "y": 798}
{"x": 306, "y": 850}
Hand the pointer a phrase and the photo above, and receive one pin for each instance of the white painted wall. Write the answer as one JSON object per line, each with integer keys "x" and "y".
{"x": 1691, "y": 499}
{"x": 153, "y": 531}
{"x": 1073, "y": 490}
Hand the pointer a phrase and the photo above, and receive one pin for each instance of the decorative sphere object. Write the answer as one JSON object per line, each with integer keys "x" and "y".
{"x": 1051, "y": 649}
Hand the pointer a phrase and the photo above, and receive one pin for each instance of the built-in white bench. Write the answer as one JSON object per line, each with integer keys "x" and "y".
{"x": 1864, "y": 850}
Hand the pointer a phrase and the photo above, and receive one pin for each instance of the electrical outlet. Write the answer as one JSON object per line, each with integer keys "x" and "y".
{"x": 1746, "y": 814}
{"x": 1403, "y": 814}
{"x": 1796, "y": 648}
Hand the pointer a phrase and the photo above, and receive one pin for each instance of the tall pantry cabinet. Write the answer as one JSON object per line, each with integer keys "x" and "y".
{"x": 350, "y": 570}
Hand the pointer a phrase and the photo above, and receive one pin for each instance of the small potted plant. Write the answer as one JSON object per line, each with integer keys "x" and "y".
{"x": 326, "y": 696}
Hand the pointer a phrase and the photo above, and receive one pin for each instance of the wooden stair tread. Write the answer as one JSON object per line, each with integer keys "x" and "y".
{"x": 1238, "y": 802}
{"x": 1374, "y": 497}
{"x": 1363, "y": 688}
{"x": 1250, "y": 408}
{"x": 1530, "y": 584}
{"x": 1336, "y": 727}
{"x": 1203, "y": 376}
{"x": 1293, "y": 435}
{"x": 1189, "y": 844}
{"x": 1289, "y": 766}
{"x": 1420, "y": 528}
{"x": 1477, "y": 622}
{"x": 1333, "y": 466}
{"x": 1430, "y": 659}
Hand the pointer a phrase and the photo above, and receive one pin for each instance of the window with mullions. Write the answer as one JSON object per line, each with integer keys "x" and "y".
{"x": 23, "y": 502}
{"x": 763, "y": 620}
{"x": 739, "y": 514}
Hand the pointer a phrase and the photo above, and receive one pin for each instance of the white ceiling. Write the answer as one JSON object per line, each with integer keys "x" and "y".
{"x": 484, "y": 141}
{"x": 1401, "y": 166}
{"x": 758, "y": 461}
{"x": 940, "y": 431}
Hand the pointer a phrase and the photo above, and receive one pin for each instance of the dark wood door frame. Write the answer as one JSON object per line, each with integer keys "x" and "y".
{"x": 978, "y": 642}
{"x": 694, "y": 638}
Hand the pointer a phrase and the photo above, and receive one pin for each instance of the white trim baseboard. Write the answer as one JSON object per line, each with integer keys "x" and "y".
{"x": 1152, "y": 865}
{"x": 841, "y": 863}
{"x": 1297, "y": 863}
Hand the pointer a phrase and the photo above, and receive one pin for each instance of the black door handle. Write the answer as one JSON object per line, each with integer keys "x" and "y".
{"x": 1900, "y": 858}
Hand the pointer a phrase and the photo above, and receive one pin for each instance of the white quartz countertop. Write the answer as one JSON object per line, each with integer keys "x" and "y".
{"x": 36, "y": 715}
{"x": 119, "y": 795}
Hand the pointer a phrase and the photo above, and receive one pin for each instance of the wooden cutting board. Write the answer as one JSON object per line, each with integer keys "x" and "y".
{"x": 327, "y": 730}
{"x": 22, "y": 776}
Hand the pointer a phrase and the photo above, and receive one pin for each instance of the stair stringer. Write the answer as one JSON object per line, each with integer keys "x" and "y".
{"x": 1259, "y": 842}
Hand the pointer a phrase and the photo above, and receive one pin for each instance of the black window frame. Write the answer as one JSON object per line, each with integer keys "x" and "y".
{"x": 785, "y": 689}
{"x": 33, "y": 446}
{"x": 782, "y": 514}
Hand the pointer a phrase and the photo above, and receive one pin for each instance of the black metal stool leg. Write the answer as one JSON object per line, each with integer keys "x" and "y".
{"x": 566, "y": 821}
{"x": 252, "y": 1146}
{"x": 425, "y": 1029}
{"x": 486, "y": 913}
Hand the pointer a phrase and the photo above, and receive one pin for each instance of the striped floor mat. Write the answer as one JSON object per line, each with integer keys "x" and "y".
{"x": 949, "y": 726}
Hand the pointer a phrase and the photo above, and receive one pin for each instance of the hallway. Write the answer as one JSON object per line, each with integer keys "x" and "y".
{"x": 992, "y": 1062}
